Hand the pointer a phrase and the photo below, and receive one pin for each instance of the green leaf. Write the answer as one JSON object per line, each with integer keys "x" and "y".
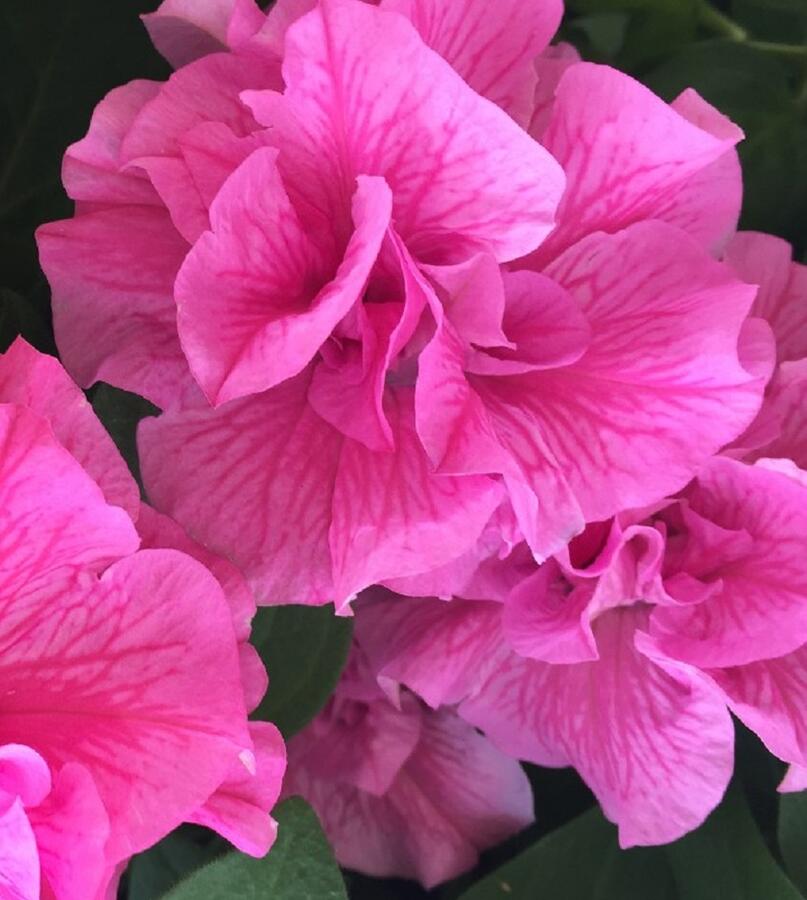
{"x": 304, "y": 649}
{"x": 168, "y": 862}
{"x": 726, "y": 859}
{"x": 581, "y": 861}
{"x": 650, "y": 30}
{"x": 19, "y": 316}
{"x": 300, "y": 866}
{"x": 793, "y": 836}
{"x": 772, "y": 20}
{"x": 120, "y": 411}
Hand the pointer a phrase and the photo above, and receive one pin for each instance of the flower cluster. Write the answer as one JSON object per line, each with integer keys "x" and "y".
{"x": 455, "y": 331}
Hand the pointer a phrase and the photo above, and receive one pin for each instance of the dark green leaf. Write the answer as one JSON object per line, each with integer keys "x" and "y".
{"x": 651, "y": 29}
{"x": 174, "y": 858}
{"x": 120, "y": 411}
{"x": 59, "y": 59}
{"x": 300, "y": 866}
{"x": 581, "y": 861}
{"x": 772, "y": 20}
{"x": 793, "y": 836}
{"x": 304, "y": 649}
{"x": 19, "y": 316}
{"x": 726, "y": 859}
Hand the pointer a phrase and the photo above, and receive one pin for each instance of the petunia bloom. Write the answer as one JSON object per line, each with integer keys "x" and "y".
{"x": 403, "y": 790}
{"x": 624, "y": 655}
{"x": 329, "y": 225}
{"x": 112, "y": 732}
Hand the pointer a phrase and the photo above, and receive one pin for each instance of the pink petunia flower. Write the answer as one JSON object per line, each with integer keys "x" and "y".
{"x": 401, "y": 308}
{"x": 112, "y": 731}
{"x": 624, "y": 655}
{"x": 402, "y": 790}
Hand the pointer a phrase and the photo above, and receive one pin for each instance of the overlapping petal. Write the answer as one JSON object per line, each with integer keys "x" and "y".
{"x": 652, "y": 739}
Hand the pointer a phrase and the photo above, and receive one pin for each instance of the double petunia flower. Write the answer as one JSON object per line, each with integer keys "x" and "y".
{"x": 431, "y": 309}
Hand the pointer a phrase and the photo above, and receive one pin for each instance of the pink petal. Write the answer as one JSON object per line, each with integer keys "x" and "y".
{"x": 488, "y": 571}
{"x": 544, "y": 325}
{"x": 484, "y": 795}
{"x": 71, "y": 829}
{"x": 19, "y": 860}
{"x": 458, "y": 167}
{"x": 392, "y": 516}
{"x": 54, "y": 514}
{"x": 456, "y": 796}
{"x": 493, "y": 50}
{"x": 135, "y": 676}
{"x": 546, "y": 619}
{"x": 239, "y": 810}
{"x": 271, "y": 458}
{"x": 472, "y": 294}
{"x": 92, "y": 168}
{"x": 759, "y": 607}
{"x": 636, "y": 416}
{"x": 465, "y": 431}
{"x": 627, "y": 155}
{"x": 348, "y": 386}
{"x": 184, "y": 30}
{"x": 23, "y": 774}
{"x": 159, "y": 532}
{"x": 255, "y": 298}
{"x": 441, "y": 651}
{"x": 281, "y": 16}
{"x": 651, "y": 738}
{"x": 769, "y": 696}
{"x": 795, "y": 779}
{"x": 212, "y": 152}
{"x": 780, "y": 429}
{"x": 782, "y": 298}
{"x": 549, "y": 68}
{"x": 111, "y": 274}
{"x": 173, "y": 182}
{"x": 707, "y": 205}
{"x": 206, "y": 90}
{"x": 364, "y": 745}
{"x": 37, "y": 381}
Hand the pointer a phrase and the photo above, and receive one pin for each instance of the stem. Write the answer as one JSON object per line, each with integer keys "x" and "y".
{"x": 720, "y": 23}
{"x": 790, "y": 50}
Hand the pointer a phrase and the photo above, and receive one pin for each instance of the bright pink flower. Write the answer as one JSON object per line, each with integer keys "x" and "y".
{"x": 403, "y": 790}
{"x": 326, "y": 264}
{"x": 623, "y": 656}
{"x": 110, "y": 733}
{"x": 479, "y": 183}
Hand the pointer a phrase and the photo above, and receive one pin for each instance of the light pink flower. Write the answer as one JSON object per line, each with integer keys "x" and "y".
{"x": 403, "y": 790}
{"x": 623, "y": 656}
{"x": 378, "y": 280}
{"x": 111, "y": 732}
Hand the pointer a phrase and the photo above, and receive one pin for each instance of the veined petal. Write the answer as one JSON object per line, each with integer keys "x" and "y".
{"x": 365, "y": 95}
{"x": 256, "y": 299}
{"x": 652, "y": 739}
{"x": 627, "y": 155}
{"x": 135, "y": 677}
{"x": 54, "y": 515}
{"x": 759, "y": 607}
{"x": 492, "y": 49}
{"x": 37, "y": 381}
